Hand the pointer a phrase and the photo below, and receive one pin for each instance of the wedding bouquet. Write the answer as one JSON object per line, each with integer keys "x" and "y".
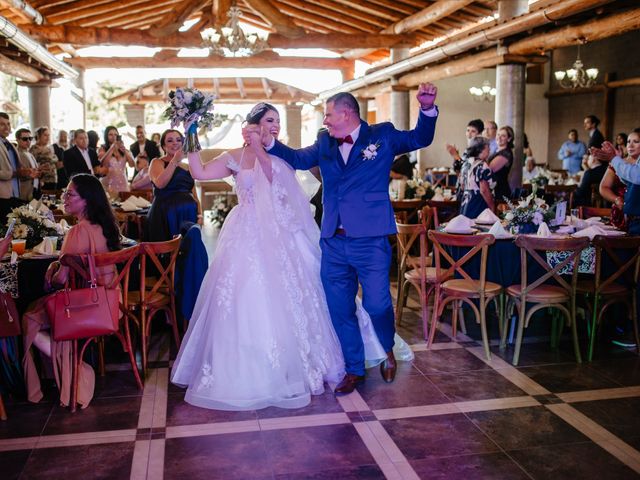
{"x": 193, "y": 109}
{"x": 33, "y": 225}
{"x": 528, "y": 214}
{"x": 418, "y": 188}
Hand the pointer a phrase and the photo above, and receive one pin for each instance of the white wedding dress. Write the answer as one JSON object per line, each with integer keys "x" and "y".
{"x": 260, "y": 334}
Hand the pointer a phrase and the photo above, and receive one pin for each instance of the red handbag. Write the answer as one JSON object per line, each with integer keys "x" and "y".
{"x": 9, "y": 318}
{"x": 84, "y": 312}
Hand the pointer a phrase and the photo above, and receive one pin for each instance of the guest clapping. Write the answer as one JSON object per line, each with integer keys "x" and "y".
{"x": 477, "y": 194}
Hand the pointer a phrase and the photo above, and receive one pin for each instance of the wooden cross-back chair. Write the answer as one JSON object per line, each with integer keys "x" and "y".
{"x": 157, "y": 293}
{"x": 79, "y": 275}
{"x": 561, "y": 295}
{"x": 615, "y": 285}
{"x": 588, "y": 212}
{"x": 465, "y": 289}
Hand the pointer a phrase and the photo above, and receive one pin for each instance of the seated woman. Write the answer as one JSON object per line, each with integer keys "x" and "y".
{"x": 142, "y": 181}
{"x": 95, "y": 232}
{"x": 613, "y": 189}
{"x": 115, "y": 156}
{"x": 530, "y": 170}
{"x": 479, "y": 182}
{"x": 174, "y": 196}
{"x": 593, "y": 176}
{"x": 501, "y": 161}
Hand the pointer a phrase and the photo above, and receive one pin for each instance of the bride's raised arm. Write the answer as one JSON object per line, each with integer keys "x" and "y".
{"x": 216, "y": 168}
{"x": 262, "y": 156}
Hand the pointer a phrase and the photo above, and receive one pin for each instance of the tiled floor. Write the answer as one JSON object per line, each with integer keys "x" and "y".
{"x": 449, "y": 414}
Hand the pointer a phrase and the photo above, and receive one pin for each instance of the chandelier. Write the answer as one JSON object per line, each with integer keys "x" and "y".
{"x": 486, "y": 92}
{"x": 231, "y": 41}
{"x": 577, "y": 77}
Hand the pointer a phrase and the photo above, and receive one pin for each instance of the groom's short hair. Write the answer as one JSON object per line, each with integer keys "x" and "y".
{"x": 345, "y": 100}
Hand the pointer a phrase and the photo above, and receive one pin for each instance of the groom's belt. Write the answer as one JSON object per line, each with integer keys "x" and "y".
{"x": 341, "y": 231}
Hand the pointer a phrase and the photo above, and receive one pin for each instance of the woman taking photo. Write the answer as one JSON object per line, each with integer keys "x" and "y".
{"x": 115, "y": 156}
{"x": 477, "y": 194}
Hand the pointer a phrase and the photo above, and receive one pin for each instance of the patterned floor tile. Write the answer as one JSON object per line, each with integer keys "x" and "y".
{"x": 405, "y": 391}
{"x": 325, "y": 403}
{"x": 486, "y": 466}
{"x": 13, "y": 463}
{"x": 107, "y": 461}
{"x": 118, "y": 413}
{"x": 364, "y": 472}
{"x": 24, "y": 420}
{"x": 568, "y": 378}
{"x": 119, "y": 383}
{"x": 338, "y": 447}
{"x": 578, "y": 460}
{"x": 525, "y": 427}
{"x": 449, "y": 435}
{"x": 232, "y": 456}
{"x": 448, "y": 361}
{"x": 475, "y": 385}
{"x": 180, "y": 412}
{"x": 620, "y": 416}
{"x": 539, "y": 353}
{"x": 625, "y": 371}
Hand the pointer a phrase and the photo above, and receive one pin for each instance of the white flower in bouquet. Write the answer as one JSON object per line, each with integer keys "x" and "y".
{"x": 420, "y": 191}
{"x": 193, "y": 109}
{"x": 20, "y": 232}
{"x": 509, "y": 216}
{"x": 537, "y": 218}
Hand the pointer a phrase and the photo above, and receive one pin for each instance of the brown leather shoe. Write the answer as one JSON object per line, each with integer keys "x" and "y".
{"x": 388, "y": 368}
{"x": 348, "y": 384}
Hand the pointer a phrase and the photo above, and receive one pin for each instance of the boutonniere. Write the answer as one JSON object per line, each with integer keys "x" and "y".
{"x": 371, "y": 151}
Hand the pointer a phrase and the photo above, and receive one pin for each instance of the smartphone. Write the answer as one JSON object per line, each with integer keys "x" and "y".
{"x": 119, "y": 138}
{"x": 10, "y": 228}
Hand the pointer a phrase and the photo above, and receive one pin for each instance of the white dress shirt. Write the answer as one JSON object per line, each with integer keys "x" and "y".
{"x": 87, "y": 158}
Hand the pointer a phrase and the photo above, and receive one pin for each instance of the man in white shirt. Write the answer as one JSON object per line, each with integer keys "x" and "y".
{"x": 82, "y": 159}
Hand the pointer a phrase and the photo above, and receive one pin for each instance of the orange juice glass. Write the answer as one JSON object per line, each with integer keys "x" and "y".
{"x": 18, "y": 246}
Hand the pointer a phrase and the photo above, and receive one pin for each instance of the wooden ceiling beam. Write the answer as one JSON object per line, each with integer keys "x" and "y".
{"x": 143, "y": 24}
{"x": 232, "y": 98}
{"x": 53, "y": 8}
{"x": 119, "y": 36}
{"x": 395, "y": 6}
{"x": 379, "y": 12}
{"x": 20, "y": 70}
{"x": 219, "y": 9}
{"x": 121, "y": 16}
{"x": 306, "y": 15}
{"x": 88, "y": 10}
{"x": 257, "y": 61}
{"x": 174, "y": 20}
{"x": 339, "y": 9}
{"x": 281, "y": 23}
{"x": 300, "y": 5}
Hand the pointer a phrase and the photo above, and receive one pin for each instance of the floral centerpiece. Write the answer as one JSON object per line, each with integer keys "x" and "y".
{"x": 541, "y": 181}
{"x": 33, "y": 225}
{"x": 527, "y": 215}
{"x": 418, "y": 188}
{"x": 221, "y": 207}
{"x": 193, "y": 109}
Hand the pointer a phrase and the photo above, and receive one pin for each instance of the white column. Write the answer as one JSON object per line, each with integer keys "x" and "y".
{"x": 399, "y": 95}
{"x": 39, "y": 109}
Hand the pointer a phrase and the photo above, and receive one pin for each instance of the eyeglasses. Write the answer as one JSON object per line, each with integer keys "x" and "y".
{"x": 26, "y": 139}
{"x": 67, "y": 193}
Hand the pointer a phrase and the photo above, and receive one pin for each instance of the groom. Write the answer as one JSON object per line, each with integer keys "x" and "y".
{"x": 355, "y": 159}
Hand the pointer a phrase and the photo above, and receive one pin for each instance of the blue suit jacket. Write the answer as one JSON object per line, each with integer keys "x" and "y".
{"x": 356, "y": 195}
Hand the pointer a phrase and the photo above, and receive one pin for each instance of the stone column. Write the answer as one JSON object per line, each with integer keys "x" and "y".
{"x": 293, "y": 115}
{"x": 39, "y": 110}
{"x": 363, "y": 103}
{"x": 399, "y": 95}
{"x": 79, "y": 83}
{"x": 510, "y": 97}
{"x": 134, "y": 114}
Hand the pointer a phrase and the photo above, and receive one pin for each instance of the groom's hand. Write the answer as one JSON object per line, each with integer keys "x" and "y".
{"x": 427, "y": 93}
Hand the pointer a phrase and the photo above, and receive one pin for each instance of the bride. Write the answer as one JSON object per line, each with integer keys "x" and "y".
{"x": 260, "y": 334}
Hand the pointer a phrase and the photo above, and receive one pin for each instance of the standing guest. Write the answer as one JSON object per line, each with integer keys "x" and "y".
{"x": 477, "y": 194}
{"x": 571, "y": 153}
{"x": 621, "y": 145}
{"x": 72, "y": 138}
{"x": 96, "y": 232}
{"x": 490, "y": 131}
{"x": 143, "y": 147}
{"x": 80, "y": 158}
{"x": 625, "y": 198}
{"x": 401, "y": 168}
{"x": 29, "y": 173}
{"x": 9, "y": 170}
{"x": 592, "y": 177}
{"x": 596, "y": 138}
{"x": 530, "y": 171}
{"x": 501, "y": 161}
{"x": 460, "y": 163}
{"x": 46, "y": 158}
{"x": 59, "y": 147}
{"x": 115, "y": 157}
{"x": 94, "y": 138}
{"x": 174, "y": 196}
{"x": 155, "y": 137}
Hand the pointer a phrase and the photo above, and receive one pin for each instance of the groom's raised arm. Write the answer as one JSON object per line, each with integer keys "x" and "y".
{"x": 300, "y": 159}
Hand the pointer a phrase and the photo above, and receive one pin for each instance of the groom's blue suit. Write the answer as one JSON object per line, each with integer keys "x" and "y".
{"x": 356, "y": 199}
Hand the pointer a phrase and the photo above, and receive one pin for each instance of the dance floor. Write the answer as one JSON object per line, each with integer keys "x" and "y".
{"x": 449, "y": 414}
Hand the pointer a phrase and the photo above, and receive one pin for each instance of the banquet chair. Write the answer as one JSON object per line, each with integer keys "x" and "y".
{"x": 615, "y": 285}
{"x": 465, "y": 289}
{"x": 588, "y": 212}
{"x": 157, "y": 293}
{"x": 146, "y": 194}
{"x": 550, "y": 290}
{"x": 79, "y": 276}
{"x": 414, "y": 271}
{"x": 446, "y": 210}
{"x": 70, "y": 219}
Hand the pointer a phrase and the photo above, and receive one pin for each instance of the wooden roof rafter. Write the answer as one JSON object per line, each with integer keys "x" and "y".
{"x": 294, "y": 6}
{"x": 123, "y": 16}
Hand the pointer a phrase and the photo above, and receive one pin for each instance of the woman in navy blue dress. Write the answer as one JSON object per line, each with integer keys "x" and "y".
{"x": 477, "y": 194}
{"x": 174, "y": 198}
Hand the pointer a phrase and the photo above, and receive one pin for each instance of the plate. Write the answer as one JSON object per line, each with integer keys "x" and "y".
{"x": 36, "y": 255}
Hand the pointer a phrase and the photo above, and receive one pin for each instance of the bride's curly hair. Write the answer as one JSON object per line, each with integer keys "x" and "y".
{"x": 259, "y": 111}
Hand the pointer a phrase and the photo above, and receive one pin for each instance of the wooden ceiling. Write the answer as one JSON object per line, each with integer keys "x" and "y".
{"x": 364, "y": 24}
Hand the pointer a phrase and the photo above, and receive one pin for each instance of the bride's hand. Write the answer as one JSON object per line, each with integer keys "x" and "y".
{"x": 248, "y": 131}
{"x": 255, "y": 140}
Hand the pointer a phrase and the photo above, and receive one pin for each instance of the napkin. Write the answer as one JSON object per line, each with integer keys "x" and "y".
{"x": 46, "y": 247}
{"x": 129, "y": 206}
{"x": 139, "y": 201}
{"x": 64, "y": 226}
{"x": 498, "y": 231}
{"x": 487, "y": 216}
{"x": 593, "y": 220}
{"x": 459, "y": 224}
{"x": 590, "y": 232}
{"x": 565, "y": 229}
{"x": 438, "y": 197}
{"x": 571, "y": 181}
{"x": 14, "y": 257}
{"x": 543, "y": 230}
